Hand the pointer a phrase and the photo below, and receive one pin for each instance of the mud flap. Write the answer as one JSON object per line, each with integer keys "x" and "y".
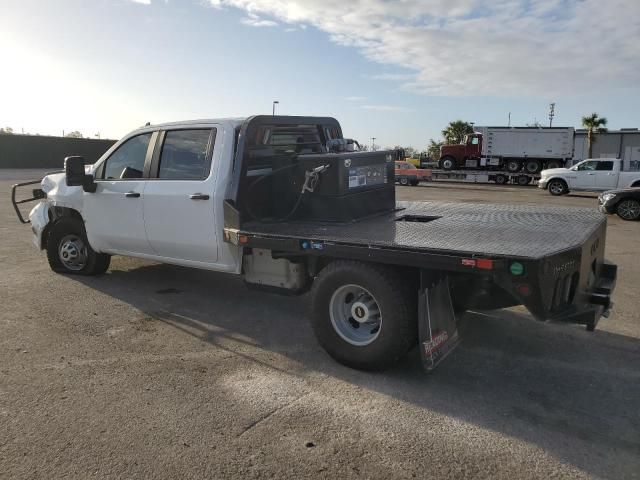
{"x": 437, "y": 328}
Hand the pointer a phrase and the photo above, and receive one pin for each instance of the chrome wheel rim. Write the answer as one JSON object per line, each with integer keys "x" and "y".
{"x": 404, "y": 181}
{"x": 73, "y": 252}
{"x": 629, "y": 210}
{"x": 355, "y": 315}
{"x": 556, "y": 187}
{"x": 447, "y": 164}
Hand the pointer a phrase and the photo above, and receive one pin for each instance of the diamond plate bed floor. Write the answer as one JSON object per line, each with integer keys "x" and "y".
{"x": 492, "y": 230}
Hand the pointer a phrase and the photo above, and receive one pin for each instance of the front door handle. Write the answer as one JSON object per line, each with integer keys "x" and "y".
{"x": 590, "y": 173}
{"x": 132, "y": 194}
{"x": 199, "y": 196}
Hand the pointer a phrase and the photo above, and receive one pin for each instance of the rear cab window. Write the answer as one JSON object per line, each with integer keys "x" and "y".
{"x": 186, "y": 154}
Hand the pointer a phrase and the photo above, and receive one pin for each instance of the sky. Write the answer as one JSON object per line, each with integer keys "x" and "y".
{"x": 396, "y": 70}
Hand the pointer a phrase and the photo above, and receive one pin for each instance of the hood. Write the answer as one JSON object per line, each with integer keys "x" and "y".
{"x": 623, "y": 190}
{"x": 455, "y": 146}
{"x": 553, "y": 171}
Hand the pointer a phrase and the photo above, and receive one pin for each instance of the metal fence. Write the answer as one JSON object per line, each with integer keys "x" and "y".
{"x": 39, "y": 151}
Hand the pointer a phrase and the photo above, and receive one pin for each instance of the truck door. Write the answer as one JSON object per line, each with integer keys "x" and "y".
{"x": 584, "y": 176}
{"x": 178, "y": 201}
{"x": 113, "y": 214}
{"x": 606, "y": 178}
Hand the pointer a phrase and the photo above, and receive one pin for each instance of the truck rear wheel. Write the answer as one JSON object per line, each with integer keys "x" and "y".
{"x": 553, "y": 164}
{"x": 448, "y": 163}
{"x": 532, "y": 166}
{"x": 513, "y": 166}
{"x": 404, "y": 181}
{"x": 628, "y": 209}
{"x": 501, "y": 179}
{"x": 68, "y": 250}
{"x": 557, "y": 187}
{"x": 364, "y": 315}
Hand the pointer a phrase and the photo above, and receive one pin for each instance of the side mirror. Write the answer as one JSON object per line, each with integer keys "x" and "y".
{"x": 75, "y": 176}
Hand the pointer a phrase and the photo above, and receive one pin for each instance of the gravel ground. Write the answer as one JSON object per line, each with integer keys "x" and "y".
{"x": 155, "y": 371}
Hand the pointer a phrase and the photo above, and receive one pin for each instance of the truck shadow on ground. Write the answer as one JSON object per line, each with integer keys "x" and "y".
{"x": 572, "y": 393}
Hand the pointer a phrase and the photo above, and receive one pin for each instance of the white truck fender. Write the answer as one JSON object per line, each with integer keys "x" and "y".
{"x": 39, "y": 216}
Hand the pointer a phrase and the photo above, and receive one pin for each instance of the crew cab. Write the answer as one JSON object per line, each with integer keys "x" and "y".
{"x": 284, "y": 203}
{"x": 407, "y": 174}
{"x": 592, "y": 174}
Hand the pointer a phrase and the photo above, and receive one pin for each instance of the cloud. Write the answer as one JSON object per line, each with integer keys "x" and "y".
{"x": 253, "y": 20}
{"x": 478, "y": 47}
{"x": 142, "y": 2}
{"x": 355, "y": 99}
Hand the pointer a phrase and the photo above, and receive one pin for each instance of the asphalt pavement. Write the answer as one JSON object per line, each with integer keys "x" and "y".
{"x": 157, "y": 371}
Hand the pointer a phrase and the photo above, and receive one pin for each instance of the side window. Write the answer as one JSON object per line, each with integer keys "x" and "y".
{"x": 185, "y": 156}
{"x": 474, "y": 141}
{"x": 128, "y": 160}
{"x": 605, "y": 165}
{"x": 589, "y": 166}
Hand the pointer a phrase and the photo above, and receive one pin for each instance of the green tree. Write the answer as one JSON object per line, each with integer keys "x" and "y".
{"x": 6, "y": 131}
{"x": 455, "y": 131}
{"x": 433, "y": 149}
{"x": 74, "y": 134}
{"x": 594, "y": 124}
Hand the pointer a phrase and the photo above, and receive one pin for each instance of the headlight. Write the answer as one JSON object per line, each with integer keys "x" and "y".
{"x": 605, "y": 197}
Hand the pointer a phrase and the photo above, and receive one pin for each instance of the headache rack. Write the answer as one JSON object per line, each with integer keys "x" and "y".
{"x": 36, "y": 194}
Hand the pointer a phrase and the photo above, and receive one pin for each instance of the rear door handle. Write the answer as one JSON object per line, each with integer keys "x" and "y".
{"x": 132, "y": 194}
{"x": 590, "y": 173}
{"x": 199, "y": 196}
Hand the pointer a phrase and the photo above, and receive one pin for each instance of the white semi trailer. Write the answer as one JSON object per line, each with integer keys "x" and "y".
{"x": 513, "y": 149}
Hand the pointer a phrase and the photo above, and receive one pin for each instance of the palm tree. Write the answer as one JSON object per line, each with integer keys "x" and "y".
{"x": 455, "y": 131}
{"x": 593, "y": 123}
{"x": 433, "y": 150}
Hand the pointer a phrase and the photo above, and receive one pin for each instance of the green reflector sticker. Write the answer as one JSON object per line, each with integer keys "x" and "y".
{"x": 516, "y": 268}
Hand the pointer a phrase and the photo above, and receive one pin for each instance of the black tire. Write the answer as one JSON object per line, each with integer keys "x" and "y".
{"x": 448, "y": 163}
{"x": 553, "y": 164}
{"x": 628, "y": 209}
{"x": 501, "y": 179}
{"x": 557, "y": 187}
{"x": 513, "y": 166}
{"x": 636, "y": 184}
{"x": 414, "y": 183}
{"x": 404, "y": 181}
{"x": 523, "y": 180}
{"x": 62, "y": 233}
{"x": 532, "y": 166}
{"x": 397, "y": 302}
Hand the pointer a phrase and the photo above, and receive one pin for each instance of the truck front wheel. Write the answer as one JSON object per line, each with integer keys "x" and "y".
{"x": 68, "y": 250}
{"x": 364, "y": 315}
{"x": 557, "y": 187}
{"x": 628, "y": 209}
{"x": 448, "y": 163}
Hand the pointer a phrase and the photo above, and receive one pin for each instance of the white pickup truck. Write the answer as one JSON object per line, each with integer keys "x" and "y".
{"x": 283, "y": 202}
{"x": 594, "y": 174}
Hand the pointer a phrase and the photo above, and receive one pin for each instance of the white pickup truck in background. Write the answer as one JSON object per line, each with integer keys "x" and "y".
{"x": 595, "y": 174}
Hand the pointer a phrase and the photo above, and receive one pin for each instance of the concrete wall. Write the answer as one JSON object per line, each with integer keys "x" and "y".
{"x": 37, "y": 151}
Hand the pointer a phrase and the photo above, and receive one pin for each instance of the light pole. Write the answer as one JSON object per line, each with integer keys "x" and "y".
{"x": 552, "y": 113}
{"x": 273, "y": 107}
{"x": 373, "y": 144}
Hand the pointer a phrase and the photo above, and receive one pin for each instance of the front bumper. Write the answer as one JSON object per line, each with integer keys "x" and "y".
{"x": 39, "y": 217}
{"x": 543, "y": 183}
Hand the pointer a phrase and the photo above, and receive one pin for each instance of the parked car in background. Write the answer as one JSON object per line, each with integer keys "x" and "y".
{"x": 408, "y": 174}
{"x": 625, "y": 202}
{"x": 592, "y": 174}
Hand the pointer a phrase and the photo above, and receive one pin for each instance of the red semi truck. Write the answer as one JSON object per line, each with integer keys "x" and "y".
{"x": 513, "y": 149}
